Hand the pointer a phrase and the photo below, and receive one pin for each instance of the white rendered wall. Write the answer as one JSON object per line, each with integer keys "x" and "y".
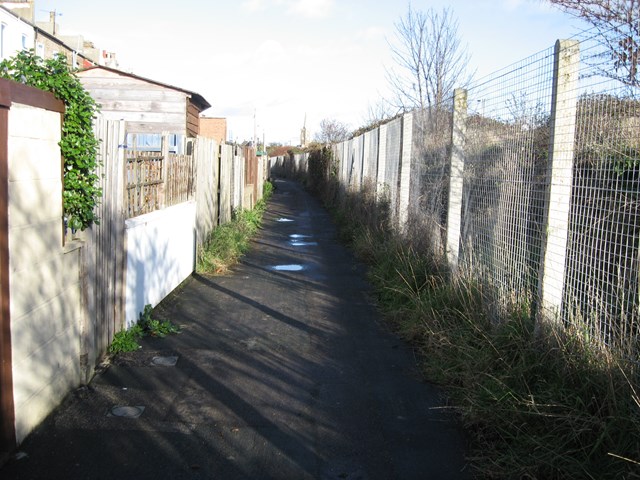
{"x": 160, "y": 255}
{"x": 44, "y": 276}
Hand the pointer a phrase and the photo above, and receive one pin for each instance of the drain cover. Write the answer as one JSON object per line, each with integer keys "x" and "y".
{"x": 127, "y": 411}
{"x": 165, "y": 361}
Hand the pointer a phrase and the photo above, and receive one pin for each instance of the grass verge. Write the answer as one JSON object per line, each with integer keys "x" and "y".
{"x": 550, "y": 405}
{"x": 228, "y": 242}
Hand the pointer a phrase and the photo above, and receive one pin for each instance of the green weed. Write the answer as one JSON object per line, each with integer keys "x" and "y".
{"x": 228, "y": 242}
{"x": 154, "y": 327}
{"x": 128, "y": 340}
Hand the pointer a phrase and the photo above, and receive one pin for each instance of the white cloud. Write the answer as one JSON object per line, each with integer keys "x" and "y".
{"x": 311, "y": 8}
{"x": 371, "y": 33}
{"x": 304, "y": 8}
{"x": 254, "y": 5}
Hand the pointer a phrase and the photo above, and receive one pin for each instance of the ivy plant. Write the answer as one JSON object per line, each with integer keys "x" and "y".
{"x": 78, "y": 144}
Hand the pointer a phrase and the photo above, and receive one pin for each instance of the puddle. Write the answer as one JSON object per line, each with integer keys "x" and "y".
{"x": 298, "y": 235}
{"x": 282, "y": 220}
{"x": 127, "y": 411}
{"x": 165, "y": 361}
{"x": 297, "y": 243}
{"x": 287, "y": 268}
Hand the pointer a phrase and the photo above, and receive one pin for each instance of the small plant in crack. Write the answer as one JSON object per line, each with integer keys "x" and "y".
{"x": 154, "y": 327}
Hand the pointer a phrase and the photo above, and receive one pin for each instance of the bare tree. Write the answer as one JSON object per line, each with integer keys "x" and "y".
{"x": 332, "y": 131}
{"x": 617, "y": 23}
{"x": 430, "y": 58}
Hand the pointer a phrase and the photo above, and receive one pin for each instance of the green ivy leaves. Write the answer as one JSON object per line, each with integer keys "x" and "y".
{"x": 78, "y": 144}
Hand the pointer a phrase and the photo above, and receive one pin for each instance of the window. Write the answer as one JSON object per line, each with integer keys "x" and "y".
{"x": 24, "y": 42}
{"x": 3, "y": 28}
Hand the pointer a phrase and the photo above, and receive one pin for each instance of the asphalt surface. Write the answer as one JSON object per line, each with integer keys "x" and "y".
{"x": 283, "y": 370}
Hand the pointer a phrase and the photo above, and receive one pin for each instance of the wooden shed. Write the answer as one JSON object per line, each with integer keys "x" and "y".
{"x": 146, "y": 105}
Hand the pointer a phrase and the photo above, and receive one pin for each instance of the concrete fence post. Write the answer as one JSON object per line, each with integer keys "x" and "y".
{"x": 456, "y": 176}
{"x": 559, "y": 178}
{"x": 405, "y": 171}
{"x": 382, "y": 162}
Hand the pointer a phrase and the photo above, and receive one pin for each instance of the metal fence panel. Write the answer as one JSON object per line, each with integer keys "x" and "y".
{"x": 507, "y": 136}
{"x": 601, "y": 277}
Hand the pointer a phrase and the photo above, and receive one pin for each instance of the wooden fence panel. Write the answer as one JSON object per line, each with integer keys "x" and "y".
{"x": 105, "y": 250}
{"x": 180, "y": 182}
{"x": 226, "y": 178}
{"x": 207, "y": 159}
{"x": 144, "y": 182}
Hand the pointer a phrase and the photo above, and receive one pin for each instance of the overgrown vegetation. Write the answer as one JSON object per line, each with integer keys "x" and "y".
{"x": 128, "y": 340}
{"x": 228, "y": 242}
{"x": 78, "y": 145}
{"x": 538, "y": 406}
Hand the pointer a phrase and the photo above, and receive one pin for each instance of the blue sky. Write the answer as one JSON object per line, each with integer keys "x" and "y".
{"x": 284, "y": 59}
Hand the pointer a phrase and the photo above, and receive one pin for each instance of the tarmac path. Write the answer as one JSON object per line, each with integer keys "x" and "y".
{"x": 283, "y": 370}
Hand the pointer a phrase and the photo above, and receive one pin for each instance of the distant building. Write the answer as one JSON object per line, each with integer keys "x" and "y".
{"x": 214, "y": 127}
{"x": 16, "y": 34}
{"x": 49, "y": 33}
{"x": 46, "y": 37}
{"x": 24, "y": 9}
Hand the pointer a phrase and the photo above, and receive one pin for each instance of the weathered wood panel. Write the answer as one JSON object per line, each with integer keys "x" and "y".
{"x": 149, "y": 117}
{"x": 207, "y": 155}
{"x": 226, "y": 186}
{"x": 105, "y": 259}
{"x": 146, "y": 106}
{"x": 193, "y": 120}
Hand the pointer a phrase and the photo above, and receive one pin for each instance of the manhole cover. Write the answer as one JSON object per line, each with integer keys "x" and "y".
{"x": 165, "y": 361}
{"x": 127, "y": 411}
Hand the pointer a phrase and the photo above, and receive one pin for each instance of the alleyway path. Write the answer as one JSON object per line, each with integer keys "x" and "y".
{"x": 284, "y": 371}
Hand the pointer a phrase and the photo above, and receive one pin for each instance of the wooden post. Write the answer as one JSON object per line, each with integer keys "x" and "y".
{"x": 456, "y": 178}
{"x": 165, "y": 170}
{"x": 559, "y": 175}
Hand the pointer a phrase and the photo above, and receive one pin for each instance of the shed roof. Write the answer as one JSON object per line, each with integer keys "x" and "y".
{"x": 197, "y": 99}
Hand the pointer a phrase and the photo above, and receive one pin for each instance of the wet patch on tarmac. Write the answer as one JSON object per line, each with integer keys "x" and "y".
{"x": 287, "y": 268}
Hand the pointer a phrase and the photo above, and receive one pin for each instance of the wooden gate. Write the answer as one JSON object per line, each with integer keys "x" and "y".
{"x": 105, "y": 252}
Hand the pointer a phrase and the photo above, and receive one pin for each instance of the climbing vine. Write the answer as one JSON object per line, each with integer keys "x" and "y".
{"x": 78, "y": 144}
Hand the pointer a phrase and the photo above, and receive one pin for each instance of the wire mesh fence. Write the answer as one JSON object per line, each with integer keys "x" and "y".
{"x": 549, "y": 210}
{"x": 506, "y": 160}
{"x": 601, "y": 277}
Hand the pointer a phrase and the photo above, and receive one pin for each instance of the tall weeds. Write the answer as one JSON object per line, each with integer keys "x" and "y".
{"x": 550, "y": 405}
{"x": 228, "y": 242}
